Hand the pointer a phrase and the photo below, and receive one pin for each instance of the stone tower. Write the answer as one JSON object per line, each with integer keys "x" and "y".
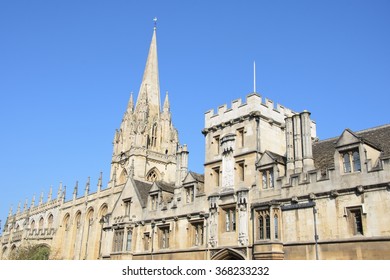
{"x": 146, "y": 146}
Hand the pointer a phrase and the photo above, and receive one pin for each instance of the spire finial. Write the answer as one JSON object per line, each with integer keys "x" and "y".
{"x": 155, "y": 23}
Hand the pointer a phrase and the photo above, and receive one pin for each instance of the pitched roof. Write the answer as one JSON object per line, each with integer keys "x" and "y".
{"x": 323, "y": 151}
{"x": 166, "y": 187}
{"x": 142, "y": 189}
{"x": 198, "y": 177}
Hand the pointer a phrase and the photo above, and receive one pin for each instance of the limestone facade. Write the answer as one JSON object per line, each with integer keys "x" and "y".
{"x": 270, "y": 190}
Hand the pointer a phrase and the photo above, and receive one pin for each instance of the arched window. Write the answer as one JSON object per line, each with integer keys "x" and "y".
{"x": 152, "y": 176}
{"x": 90, "y": 216}
{"x": 78, "y": 220}
{"x": 66, "y": 222}
{"x": 276, "y": 226}
{"x": 123, "y": 177}
{"x": 32, "y": 225}
{"x": 50, "y": 221}
{"x": 41, "y": 221}
{"x": 267, "y": 227}
{"x": 264, "y": 225}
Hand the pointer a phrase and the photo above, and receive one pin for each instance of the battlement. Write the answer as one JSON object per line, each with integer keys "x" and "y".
{"x": 254, "y": 103}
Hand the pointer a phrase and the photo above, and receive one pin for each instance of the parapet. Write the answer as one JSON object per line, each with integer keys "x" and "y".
{"x": 254, "y": 103}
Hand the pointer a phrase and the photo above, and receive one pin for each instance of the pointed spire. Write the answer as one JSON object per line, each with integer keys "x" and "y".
{"x": 25, "y": 205}
{"x": 167, "y": 107}
{"x": 59, "y": 193}
{"x": 41, "y": 198}
{"x": 75, "y": 190}
{"x": 32, "y": 201}
{"x": 49, "y": 196}
{"x": 18, "y": 209}
{"x": 150, "y": 85}
{"x": 87, "y": 186}
{"x": 100, "y": 182}
{"x": 130, "y": 105}
{"x": 64, "y": 194}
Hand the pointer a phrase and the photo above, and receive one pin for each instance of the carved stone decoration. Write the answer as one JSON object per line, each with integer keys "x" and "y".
{"x": 213, "y": 226}
{"x": 243, "y": 238}
{"x": 227, "y": 144}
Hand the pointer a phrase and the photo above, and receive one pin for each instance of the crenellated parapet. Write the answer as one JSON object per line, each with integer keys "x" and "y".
{"x": 265, "y": 108}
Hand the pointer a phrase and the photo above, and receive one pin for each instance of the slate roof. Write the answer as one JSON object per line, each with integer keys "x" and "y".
{"x": 323, "y": 151}
{"x": 142, "y": 189}
{"x": 166, "y": 187}
{"x": 198, "y": 177}
{"x": 277, "y": 157}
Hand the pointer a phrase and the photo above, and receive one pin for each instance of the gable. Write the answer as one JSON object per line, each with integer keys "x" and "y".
{"x": 347, "y": 138}
{"x": 269, "y": 158}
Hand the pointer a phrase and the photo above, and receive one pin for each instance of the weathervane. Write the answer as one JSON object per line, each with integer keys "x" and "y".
{"x": 155, "y": 23}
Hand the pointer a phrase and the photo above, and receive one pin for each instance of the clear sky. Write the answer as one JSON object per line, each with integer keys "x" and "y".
{"x": 67, "y": 69}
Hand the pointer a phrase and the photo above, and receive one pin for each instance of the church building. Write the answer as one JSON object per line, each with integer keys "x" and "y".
{"x": 270, "y": 190}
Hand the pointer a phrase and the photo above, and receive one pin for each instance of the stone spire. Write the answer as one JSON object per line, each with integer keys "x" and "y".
{"x": 59, "y": 193}
{"x": 87, "y": 186}
{"x": 167, "y": 107}
{"x": 75, "y": 190}
{"x": 130, "y": 105}
{"x": 150, "y": 86}
{"x": 49, "y": 196}
{"x": 100, "y": 182}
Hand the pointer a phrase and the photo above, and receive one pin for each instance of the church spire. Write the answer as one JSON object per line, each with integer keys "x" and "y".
{"x": 150, "y": 86}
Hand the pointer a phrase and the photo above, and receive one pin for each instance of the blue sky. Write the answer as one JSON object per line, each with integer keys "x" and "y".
{"x": 67, "y": 69}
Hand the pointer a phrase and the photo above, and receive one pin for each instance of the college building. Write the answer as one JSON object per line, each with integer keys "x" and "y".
{"x": 270, "y": 190}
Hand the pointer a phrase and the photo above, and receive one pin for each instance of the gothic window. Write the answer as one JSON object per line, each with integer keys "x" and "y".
{"x": 32, "y": 225}
{"x": 351, "y": 161}
{"x": 152, "y": 176}
{"x": 40, "y": 224}
{"x": 90, "y": 217}
{"x": 241, "y": 171}
{"x": 50, "y": 221}
{"x": 267, "y": 178}
{"x": 153, "y": 201}
{"x": 66, "y": 221}
{"x": 276, "y": 226}
{"x": 129, "y": 239}
{"x": 264, "y": 225}
{"x": 197, "y": 233}
{"x": 78, "y": 220}
{"x": 163, "y": 233}
{"x": 230, "y": 219}
{"x": 123, "y": 177}
{"x": 117, "y": 244}
{"x": 189, "y": 194}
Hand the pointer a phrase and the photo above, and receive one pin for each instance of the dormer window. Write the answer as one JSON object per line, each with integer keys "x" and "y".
{"x": 267, "y": 178}
{"x": 351, "y": 161}
{"x": 189, "y": 194}
{"x": 153, "y": 201}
